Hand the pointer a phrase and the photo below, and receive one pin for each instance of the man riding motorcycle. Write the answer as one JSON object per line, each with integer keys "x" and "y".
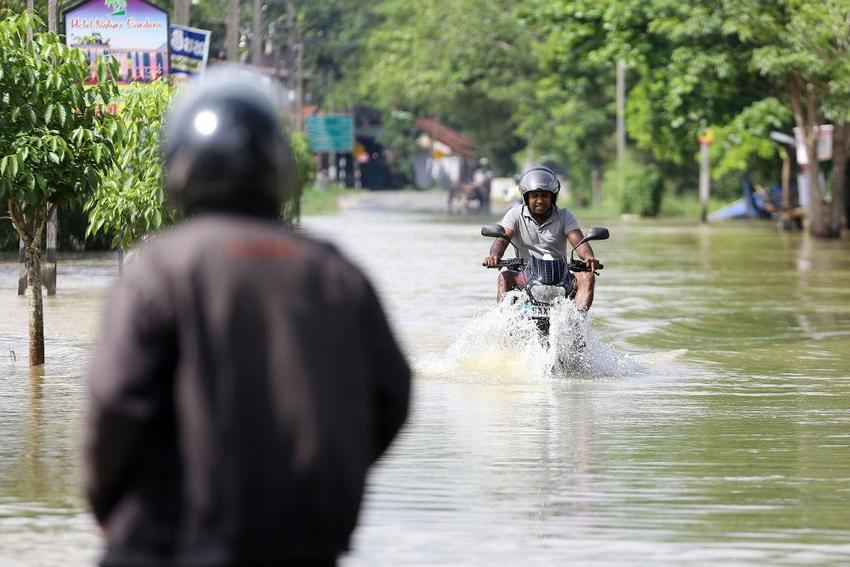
{"x": 540, "y": 231}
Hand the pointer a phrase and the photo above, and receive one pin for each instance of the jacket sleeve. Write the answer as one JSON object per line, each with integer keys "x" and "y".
{"x": 391, "y": 373}
{"x": 130, "y": 389}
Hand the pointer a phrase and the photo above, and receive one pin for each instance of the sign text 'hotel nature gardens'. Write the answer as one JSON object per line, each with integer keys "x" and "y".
{"x": 133, "y": 32}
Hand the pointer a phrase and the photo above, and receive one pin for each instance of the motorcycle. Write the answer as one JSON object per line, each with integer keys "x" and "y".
{"x": 548, "y": 281}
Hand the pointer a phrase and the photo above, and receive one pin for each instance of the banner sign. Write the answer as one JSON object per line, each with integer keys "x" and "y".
{"x": 330, "y": 132}
{"x": 134, "y": 32}
{"x": 190, "y": 48}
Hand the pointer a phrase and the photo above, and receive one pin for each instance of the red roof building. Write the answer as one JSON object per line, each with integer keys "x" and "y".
{"x": 435, "y": 130}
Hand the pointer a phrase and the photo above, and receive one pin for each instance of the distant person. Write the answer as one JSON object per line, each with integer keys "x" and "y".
{"x": 483, "y": 179}
{"x": 541, "y": 230}
{"x": 247, "y": 378}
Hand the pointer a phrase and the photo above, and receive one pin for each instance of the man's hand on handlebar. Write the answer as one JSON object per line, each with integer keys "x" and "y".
{"x": 592, "y": 263}
{"x": 491, "y": 261}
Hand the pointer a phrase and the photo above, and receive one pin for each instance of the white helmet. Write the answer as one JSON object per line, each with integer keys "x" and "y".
{"x": 539, "y": 179}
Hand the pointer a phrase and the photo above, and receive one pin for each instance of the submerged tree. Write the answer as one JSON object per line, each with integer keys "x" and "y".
{"x": 53, "y": 140}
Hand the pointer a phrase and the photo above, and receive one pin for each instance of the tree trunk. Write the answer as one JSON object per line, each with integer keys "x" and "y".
{"x": 818, "y": 209}
{"x": 840, "y": 149}
{"x": 36, "y": 306}
{"x": 30, "y": 229}
{"x": 596, "y": 185}
{"x": 231, "y": 41}
{"x": 804, "y": 106}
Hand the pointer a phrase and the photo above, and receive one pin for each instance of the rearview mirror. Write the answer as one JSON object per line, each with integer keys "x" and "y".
{"x": 494, "y": 231}
{"x": 597, "y": 233}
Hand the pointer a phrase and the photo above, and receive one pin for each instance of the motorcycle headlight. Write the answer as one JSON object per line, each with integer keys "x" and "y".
{"x": 546, "y": 293}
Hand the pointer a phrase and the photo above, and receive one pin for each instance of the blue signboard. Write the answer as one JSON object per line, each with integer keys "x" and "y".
{"x": 330, "y": 132}
{"x": 190, "y": 48}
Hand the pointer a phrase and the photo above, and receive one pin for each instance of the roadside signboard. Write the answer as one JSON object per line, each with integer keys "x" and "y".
{"x": 190, "y": 48}
{"x": 330, "y": 132}
{"x": 134, "y": 32}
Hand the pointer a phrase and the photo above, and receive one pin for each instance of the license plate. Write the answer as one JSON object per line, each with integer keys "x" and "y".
{"x": 537, "y": 311}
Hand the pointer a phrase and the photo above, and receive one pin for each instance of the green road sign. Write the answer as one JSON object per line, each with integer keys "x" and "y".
{"x": 330, "y": 132}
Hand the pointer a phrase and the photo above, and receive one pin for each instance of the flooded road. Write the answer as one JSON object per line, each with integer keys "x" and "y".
{"x": 707, "y": 420}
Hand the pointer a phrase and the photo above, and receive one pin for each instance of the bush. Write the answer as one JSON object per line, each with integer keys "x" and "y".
{"x": 642, "y": 192}
{"x": 639, "y": 190}
{"x": 305, "y": 168}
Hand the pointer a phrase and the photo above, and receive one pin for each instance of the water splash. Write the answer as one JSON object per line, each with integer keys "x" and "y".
{"x": 502, "y": 342}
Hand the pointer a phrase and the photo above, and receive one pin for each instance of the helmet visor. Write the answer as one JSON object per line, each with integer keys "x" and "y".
{"x": 539, "y": 180}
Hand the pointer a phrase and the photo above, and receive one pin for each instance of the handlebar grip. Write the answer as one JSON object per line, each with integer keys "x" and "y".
{"x": 579, "y": 266}
{"x": 509, "y": 263}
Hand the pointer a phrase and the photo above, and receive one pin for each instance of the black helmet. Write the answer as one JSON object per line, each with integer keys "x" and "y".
{"x": 225, "y": 147}
{"x": 539, "y": 179}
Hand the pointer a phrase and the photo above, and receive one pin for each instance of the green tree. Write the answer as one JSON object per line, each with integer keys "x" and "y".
{"x": 801, "y": 49}
{"x": 569, "y": 114}
{"x": 53, "y": 140}
{"x": 464, "y": 62}
{"x": 332, "y": 34}
{"x": 690, "y": 73}
{"x": 305, "y": 174}
{"x": 12, "y": 7}
{"x": 130, "y": 200}
{"x": 719, "y": 64}
{"x": 398, "y": 133}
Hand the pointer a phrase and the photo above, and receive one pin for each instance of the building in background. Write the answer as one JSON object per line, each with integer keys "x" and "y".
{"x": 444, "y": 156}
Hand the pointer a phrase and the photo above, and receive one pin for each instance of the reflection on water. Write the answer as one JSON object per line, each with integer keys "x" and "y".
{"x": 42, "y": 517}
{"x": 707, "y": 420}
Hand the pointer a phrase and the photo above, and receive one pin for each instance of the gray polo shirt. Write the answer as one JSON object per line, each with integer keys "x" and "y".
{"x": 549, "y": 237}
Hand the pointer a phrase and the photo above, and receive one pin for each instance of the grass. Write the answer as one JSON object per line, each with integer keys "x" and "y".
{"x": 672, "y": 207}
{"x": 321, "y": 201}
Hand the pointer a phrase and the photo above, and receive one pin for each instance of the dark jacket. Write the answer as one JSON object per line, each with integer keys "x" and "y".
{"x": 246, "y": 380}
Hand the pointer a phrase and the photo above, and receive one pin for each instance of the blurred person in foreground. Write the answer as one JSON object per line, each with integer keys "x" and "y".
{"x": 247, "y": 377}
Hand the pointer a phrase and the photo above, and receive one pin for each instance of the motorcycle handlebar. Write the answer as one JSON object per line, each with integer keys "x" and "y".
{"x": 518, "y": 264}
{"x": 515, "y": 264}
{"x": 579, "y": 266}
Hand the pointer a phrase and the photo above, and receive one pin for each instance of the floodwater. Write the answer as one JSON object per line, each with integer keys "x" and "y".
{"x": 707, "y": 421}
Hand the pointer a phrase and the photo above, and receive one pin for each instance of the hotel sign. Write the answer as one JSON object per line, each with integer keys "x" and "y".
{"x": 133, "y": 32}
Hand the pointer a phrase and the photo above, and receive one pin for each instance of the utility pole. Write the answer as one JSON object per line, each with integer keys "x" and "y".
{"x": 22, "y": 256}
{"x": 52, "y": 16}
{"x": 299, "y": 85}
{"x": 30, "y": 11}
{"x": 704, "y": 174}
{"x": 48, "y": 271}
{"x": 621, "y": 124}
{"x": 333, "y": 171}
{"x": 231, "y": 41}
{"x": 291, "y": 42}
{"x": 257, "y": 41}
{"x": 181, "y": 12}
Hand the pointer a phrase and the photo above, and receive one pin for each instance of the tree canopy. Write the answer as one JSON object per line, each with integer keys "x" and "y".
{"x": 54, "y": 139}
